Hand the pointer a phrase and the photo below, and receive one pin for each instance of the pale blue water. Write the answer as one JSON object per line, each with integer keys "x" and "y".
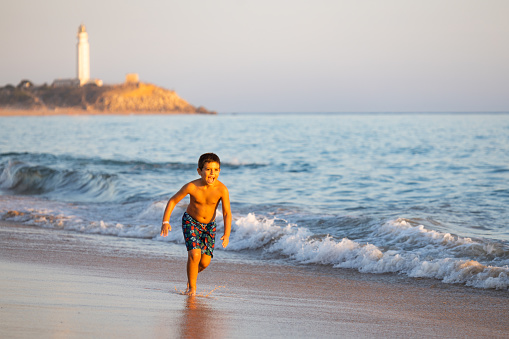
{"x": 420, "y": 195}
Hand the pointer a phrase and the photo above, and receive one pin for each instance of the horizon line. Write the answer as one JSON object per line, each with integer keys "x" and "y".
{"x": 371, "y": 112}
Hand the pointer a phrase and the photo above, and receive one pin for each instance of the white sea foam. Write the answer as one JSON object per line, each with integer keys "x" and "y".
{"x": 253, "y": 233}
{"x": 412, "y": 250}
{"x": 397, "y": 246}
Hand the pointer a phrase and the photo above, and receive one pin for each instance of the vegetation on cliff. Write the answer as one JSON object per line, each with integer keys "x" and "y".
{"x": 124, "y": 98}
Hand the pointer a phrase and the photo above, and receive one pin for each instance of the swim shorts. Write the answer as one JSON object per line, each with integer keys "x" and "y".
{"x": 198, "y": 235}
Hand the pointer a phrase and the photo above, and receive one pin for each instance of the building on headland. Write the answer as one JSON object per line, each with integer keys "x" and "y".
{"x": 66, "y": 83}
{"x": 83, "y": 64}
{"x": 132, "y": 79}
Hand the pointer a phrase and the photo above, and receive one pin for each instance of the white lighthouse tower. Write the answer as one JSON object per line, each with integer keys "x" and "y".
{"x": 83, "y": 55}
{"x": 83, "y": 69}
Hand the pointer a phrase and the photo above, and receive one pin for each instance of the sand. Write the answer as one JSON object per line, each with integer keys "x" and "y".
{"x": 59, "y": 284}
{"x": 6, "y": 112}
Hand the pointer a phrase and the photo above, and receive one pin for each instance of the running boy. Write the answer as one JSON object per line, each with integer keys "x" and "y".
{"x": 198, "y": 222}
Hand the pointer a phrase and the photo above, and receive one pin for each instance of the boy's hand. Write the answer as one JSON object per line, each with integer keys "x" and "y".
{"x": 225, "y": 240}
{"x": 164, "y": 229}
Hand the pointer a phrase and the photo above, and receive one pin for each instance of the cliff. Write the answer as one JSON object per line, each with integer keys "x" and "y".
{"x": 124, "y": 98}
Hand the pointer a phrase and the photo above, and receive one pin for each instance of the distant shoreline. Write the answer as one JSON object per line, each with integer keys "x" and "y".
{"x": 127, "y": 98}
{"x": 72, "y": 111}
{"x": 9, "y": 112}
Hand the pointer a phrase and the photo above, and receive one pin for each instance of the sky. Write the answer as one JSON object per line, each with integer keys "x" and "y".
{"x": 275, "y": 55}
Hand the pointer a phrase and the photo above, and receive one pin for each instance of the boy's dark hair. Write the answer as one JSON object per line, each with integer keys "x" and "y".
{"x": 208, "y": 157}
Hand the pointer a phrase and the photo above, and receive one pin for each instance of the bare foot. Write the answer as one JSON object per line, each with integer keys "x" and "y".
{"x": 190, "y": 291}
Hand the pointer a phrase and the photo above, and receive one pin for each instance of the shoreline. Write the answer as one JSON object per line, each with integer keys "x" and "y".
{"x": 73, "y": 112}
{"x": 83, "y": 285}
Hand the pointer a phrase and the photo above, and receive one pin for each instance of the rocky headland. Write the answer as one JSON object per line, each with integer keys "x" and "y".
{"x": 126, "y": 98}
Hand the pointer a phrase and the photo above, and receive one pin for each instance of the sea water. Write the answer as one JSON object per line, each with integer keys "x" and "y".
{"x": 421, "y": 195}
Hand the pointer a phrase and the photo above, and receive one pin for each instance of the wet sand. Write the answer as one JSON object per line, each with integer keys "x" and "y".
{"x": 59, "y": 284}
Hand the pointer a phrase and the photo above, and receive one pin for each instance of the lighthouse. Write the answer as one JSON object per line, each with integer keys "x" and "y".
{"x": 83, "y": 56}
{"x": 83, "y": 69}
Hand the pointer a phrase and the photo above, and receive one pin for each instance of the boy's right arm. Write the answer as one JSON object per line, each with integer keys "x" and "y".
{"x": 169, "y": 208}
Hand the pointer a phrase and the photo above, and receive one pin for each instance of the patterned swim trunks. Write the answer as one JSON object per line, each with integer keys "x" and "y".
{"x": 198, "y": 235}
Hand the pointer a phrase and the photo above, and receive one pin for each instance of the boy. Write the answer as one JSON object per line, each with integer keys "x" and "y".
{"x": 198, "y": 222}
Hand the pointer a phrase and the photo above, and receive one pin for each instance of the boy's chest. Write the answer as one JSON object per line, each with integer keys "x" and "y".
{"x": 206, "y": 197}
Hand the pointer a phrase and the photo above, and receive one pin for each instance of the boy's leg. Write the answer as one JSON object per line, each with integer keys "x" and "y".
{"x": 193, "y": 264}
{"x": 196, "y": 262}
{"x": 204, "y": 262}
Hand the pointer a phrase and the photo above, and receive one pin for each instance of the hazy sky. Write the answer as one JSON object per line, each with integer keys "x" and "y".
{"x": 275, "y": 55}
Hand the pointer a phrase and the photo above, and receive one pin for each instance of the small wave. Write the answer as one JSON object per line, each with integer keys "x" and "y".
{"x": 410, "y": 250}
{"x": 135, "y": 220}
{"x": 500, "y": 170}
{"x": 72, "y": 161}
{"x": 402, "y": 235}
{"x": 22, "y": 178}
{"x": 94, "y": 179}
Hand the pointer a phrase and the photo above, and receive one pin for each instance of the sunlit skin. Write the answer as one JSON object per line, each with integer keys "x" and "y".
{"x": 205, "y": 194}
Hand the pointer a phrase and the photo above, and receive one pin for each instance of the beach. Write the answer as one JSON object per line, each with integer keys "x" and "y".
{"x": 7, "y": 112}
{"x": 57, "y": 284}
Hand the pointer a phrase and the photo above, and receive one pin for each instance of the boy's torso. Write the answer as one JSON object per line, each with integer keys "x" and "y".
{"x": 204, "y": 201}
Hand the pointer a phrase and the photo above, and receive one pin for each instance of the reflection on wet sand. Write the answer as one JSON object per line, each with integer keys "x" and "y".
{"x": 199, "y": 319}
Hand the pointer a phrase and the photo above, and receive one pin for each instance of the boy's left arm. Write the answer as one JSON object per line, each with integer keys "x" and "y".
{"x": 227, "y": 217}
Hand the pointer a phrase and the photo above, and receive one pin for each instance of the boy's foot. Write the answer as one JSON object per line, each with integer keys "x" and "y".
{"x": 190, "y": 291}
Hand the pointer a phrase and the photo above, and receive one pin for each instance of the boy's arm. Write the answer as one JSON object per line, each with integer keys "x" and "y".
{"x": 174, "y": 200}
{"x": 227, "y": 217}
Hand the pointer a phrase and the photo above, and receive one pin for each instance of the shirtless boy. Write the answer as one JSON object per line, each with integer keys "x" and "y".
{"x": 198, "y": 222}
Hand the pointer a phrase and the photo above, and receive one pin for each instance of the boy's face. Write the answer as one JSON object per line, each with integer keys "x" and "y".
{"x": 210, "y": 172}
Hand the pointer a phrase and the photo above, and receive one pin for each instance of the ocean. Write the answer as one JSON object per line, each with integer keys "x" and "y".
{"x": 417, "y": 195}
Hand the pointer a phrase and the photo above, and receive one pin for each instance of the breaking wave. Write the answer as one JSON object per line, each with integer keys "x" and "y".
{"x": 21, "y": 178}
{"x": 396, "y": 246}
{"x": 402, "y": 248}
{"x": 89, "y": 179}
